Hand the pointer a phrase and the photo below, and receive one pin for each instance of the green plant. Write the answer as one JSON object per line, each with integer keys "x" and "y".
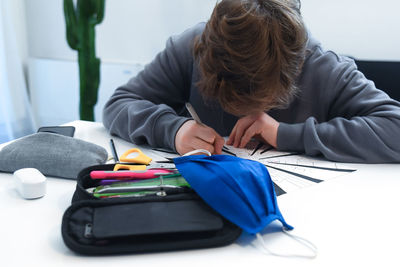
{"x": 80, "y": 23}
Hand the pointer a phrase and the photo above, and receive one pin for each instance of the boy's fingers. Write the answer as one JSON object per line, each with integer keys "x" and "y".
{"x": 219, "y": 143}
{"x": 238, "y": 135}
{"x": 201, "y": 144}
{"x": 250, "y": 132}
{"x": 232, "y": 135}
{"x": 207, "y": 134}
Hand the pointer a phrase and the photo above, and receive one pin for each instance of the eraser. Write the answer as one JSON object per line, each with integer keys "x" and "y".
{"x": 30, "y": 183}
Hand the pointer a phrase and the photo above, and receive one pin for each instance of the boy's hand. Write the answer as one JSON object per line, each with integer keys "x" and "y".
{"x": 259, "y": 125}
{"x": 193, "y": 135}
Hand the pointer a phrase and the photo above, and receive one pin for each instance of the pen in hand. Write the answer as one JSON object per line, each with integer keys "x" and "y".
{"x": 196, "y": 117}
{"x": 193, "y": 113}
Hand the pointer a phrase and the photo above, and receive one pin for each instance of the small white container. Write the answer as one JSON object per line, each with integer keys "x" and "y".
{"x": 30, "y": 183}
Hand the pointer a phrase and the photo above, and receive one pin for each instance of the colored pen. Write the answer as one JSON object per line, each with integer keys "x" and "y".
{"x": 147, "y": 174}
{"x": 115, "y": 181}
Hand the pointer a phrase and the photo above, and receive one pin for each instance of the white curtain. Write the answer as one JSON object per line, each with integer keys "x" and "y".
{"x": 16, "y": 118}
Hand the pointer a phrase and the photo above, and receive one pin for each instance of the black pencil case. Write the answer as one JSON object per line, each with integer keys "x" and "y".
{"x": 175, "y": 220}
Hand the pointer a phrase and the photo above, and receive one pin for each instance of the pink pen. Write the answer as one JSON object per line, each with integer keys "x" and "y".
{"x": 147, "y": 174}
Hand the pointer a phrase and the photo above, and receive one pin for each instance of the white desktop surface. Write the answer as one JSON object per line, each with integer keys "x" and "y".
{"x": 354, "y": 220}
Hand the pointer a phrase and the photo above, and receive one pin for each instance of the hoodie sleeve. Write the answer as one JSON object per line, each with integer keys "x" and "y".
{"x": 353, "y": 121}
{"x": 147, "y": 109}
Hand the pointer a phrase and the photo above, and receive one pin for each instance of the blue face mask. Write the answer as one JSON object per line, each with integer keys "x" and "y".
{"x": 241, "y": 190}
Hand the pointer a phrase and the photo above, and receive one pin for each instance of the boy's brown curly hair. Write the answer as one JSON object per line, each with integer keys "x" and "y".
{"x": 250, "y": 54}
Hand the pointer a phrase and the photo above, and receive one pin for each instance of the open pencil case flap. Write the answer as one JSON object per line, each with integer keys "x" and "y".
{"x": 153, "y": 223}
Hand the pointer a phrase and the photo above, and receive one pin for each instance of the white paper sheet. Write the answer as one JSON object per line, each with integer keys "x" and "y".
{"x": 289, "y": 171}
{"x": 292, "y": 171}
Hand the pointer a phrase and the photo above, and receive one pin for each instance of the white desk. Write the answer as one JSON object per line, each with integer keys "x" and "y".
{"x": 354, "y": 220}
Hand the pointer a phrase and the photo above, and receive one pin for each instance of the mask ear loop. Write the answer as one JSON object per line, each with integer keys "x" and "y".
{"x": 306, "y": 243}
{"x": 202, "y": 151}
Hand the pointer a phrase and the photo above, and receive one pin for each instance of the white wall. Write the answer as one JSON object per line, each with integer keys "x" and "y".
{"x": 55, "y": 88}
{"x": 132, "y": 30}
{"x": 17, "y": 10}
{"x": 135, "y": 30}
{"x": 367, "y": 29}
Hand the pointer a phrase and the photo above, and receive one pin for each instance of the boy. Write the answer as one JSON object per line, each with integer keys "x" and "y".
{"x": 253, "y": 70}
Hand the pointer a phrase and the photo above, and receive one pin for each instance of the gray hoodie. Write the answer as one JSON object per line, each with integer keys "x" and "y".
{"x": 337, "y": 112}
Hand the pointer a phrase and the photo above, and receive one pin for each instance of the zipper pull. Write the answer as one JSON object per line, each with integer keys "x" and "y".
{"x": 161, "y": 193}
{"x": 88, "y": 230}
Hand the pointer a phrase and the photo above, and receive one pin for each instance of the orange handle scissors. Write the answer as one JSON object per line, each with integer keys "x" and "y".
{"x": 141, "y": 158}
{"x": 135, "y": 155}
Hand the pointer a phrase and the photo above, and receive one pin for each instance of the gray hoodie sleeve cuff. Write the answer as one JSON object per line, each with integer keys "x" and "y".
{"x": 290, "y": 137}
{"x": 167, "y": 126}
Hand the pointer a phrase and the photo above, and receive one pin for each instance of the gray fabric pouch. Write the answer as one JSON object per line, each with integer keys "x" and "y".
{"x": 52, "y": 154}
